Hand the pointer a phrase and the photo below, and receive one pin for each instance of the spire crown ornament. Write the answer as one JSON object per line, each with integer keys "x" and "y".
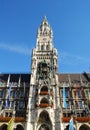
{"x": 44, "y": 29}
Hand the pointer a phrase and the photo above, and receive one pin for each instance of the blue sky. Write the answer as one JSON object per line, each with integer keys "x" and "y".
{"x": 70, "y": 21}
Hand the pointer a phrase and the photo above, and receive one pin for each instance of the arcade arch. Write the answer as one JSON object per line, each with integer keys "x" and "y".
{"x": 84, "y": 127}
{"x": 44, "y": 121}
{"x": 3, "y": 127}
{"x": 19, "y": 127}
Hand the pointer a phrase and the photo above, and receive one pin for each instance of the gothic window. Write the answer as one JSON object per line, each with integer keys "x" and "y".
{"x": 4, "y": 127}
{"x": 1, "y": 93}
{"x": 47, "y": 47}
{"x": 44, "y": 117}
{"x": 12, "y": 104}
{"x": 44, "y": 127}
{"x": 44, "y": 88}
{"x": 42, "y": 47}
{"x": 13, "y": 93}
{"x": 67, "y": 93}
{"x": 84, "y": 127}
{"x": 64, "y": 114}
{"x": 19, "y": 127}
{"x": 79, "y": 94}
{"x": 44, "y": 100}
{"x": 21, "y": 104}
{"x": 86, "y": 93}
{"x": 80, "y": 104}
{"x": 21, "y": 93}
{"x": 68, "y": 105}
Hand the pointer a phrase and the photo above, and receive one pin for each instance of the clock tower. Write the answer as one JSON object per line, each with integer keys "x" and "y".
{"x": 43, "y": 110}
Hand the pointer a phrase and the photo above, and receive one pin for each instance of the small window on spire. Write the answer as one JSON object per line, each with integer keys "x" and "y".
{"x": 42, "y": 47}
{"x": 47, "y": 47}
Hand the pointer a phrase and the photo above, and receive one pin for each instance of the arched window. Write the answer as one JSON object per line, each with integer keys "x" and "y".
{"x": 44, "y": 88}
{"x": 44, "y": 127}
{"x": 12, "y": 104}
{"x": 45, "y": 119}
{"x": 1, "y": 93}
{"x": 13, "y": 93}
{"x": 47, "y": 47}
{"x": 84, "y": 127}
{"x": 3, "y": 127}
{"x": 19, "y": 127}
{"x": 42, "y": 47}
{"x": 21, "y": 93}
{"x": 21, "y": 105}
{"x": 44, "y": 100}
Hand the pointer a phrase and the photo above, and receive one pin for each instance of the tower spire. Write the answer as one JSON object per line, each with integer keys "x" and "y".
{"x": 44, "y": 29}
{"x": 45, "y": 18}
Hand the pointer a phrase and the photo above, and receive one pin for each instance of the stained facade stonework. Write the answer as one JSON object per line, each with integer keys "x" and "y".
{"x": 36, "y": 100}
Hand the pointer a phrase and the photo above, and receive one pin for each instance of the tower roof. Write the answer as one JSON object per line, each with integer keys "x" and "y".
{"x": 45, "y": 29}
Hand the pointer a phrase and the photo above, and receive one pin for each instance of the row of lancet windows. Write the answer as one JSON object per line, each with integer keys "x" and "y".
{"x": 43, "y": 47}
{"x": 13, "y": 93}
{"x": 12, "y": 104}
{"x": 75, "y": 93}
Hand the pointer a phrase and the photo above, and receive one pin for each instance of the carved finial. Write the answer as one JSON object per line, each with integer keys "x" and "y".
{"x": 45, "y": 17}
{"x": 44, "y": 20}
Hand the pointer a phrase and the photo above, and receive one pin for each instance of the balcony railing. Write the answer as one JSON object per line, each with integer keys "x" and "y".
{"x": 45, "y": 93}
{"x": 17, "y": 119}
{"x": 79, "y": 119}
{"x": 43, "y": 105}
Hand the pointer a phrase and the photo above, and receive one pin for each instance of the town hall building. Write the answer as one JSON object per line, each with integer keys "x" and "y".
{"x": 45, "y": 99}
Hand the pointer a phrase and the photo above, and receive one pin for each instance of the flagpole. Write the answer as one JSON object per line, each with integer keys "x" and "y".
{"x": 14, "y": 119}
{"x": 64, "y": 97}
{"x": 7, "y": 101}
{"x": 71, "y": 124}
{"x": 11, "y": 122}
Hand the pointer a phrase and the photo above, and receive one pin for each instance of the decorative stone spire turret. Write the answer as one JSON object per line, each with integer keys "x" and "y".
{"x": 44, "y": 29}
{"x": 44, "y": 36}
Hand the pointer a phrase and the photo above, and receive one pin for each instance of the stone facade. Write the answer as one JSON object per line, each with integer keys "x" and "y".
{"x": 44, "y": 99}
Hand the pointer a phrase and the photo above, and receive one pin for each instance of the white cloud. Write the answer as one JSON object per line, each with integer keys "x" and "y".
{"x": 70, "y": 59}
{"x": 63, "y": 57}
{"x": 15, "y": 48}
